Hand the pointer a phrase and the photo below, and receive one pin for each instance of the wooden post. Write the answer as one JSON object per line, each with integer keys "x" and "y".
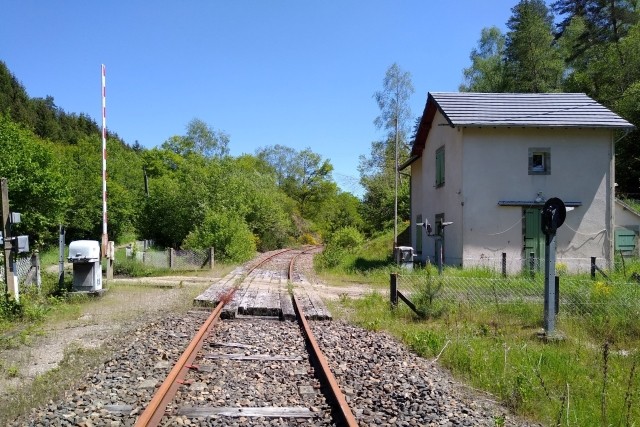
{"x": 171, "y": 257}
{"x": 593, "y": 267}
{"x": 504, "y": 264}
{"x": 9, "y": 267}
{"x": 393, "y": 293}
{"x": 211, "y": 262}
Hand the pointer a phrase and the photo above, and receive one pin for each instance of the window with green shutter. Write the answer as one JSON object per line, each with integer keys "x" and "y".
{"x": 440, "y": 167}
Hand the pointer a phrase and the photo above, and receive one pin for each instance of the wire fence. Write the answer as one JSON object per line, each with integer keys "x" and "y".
{"x": 507, "y": 265}
{"x": 27, "y": 268}
{"x": 192, "y": 259}
{"x": 576, "y": 296}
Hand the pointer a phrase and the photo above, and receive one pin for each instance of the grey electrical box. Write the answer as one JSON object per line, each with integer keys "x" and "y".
{"x": 23, "y": 244}
{"x": 15, "y": 217}
{"x": 87, "y": 270}
{"x": 404, "y": 256}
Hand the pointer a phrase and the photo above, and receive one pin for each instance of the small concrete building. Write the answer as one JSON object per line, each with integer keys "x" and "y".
{"x": 486, "y": 163}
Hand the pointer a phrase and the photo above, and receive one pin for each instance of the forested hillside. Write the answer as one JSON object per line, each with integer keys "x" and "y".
{"x": 197, "y": 194}
{"x": 590, "y": 46}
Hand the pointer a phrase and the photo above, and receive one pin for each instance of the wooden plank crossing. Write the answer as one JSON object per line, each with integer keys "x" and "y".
{"x": 262, "y": 411}
{"x": 242, "y": 356}
{"x": 266, "y": 293}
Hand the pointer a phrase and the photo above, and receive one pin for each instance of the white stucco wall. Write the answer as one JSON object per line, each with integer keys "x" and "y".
{"x": 485, "y": 165}
{"x": 495, "y": 165}
{"x": 428, "y": 200}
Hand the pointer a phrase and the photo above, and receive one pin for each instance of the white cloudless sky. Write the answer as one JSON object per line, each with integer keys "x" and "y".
{"x": 290, "y": 72}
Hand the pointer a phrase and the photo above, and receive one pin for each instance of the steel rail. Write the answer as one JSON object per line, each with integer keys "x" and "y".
{"x": 155, "y": 410}
{"x": 343, "y": 410}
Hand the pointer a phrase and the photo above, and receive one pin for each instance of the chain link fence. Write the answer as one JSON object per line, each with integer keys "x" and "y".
{"x": 192, "y": 259}
{"x": 27, "y": 271}
{"x": 577, "y": 296}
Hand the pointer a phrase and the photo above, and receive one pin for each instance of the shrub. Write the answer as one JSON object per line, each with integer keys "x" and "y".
{"x": 347, "y": 238}
{"x": 227, "y": 233}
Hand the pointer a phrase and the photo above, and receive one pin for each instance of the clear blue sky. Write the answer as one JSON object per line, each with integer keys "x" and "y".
{"x": 291, "y": 72}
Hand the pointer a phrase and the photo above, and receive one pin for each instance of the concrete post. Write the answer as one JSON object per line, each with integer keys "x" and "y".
{"x": 110, "y": 256}
{"x": 211, "y": 260}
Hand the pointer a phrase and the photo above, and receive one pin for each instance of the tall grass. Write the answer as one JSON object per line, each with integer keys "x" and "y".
{"x": 585, "y": 379}
{"x": 589, "y": 378}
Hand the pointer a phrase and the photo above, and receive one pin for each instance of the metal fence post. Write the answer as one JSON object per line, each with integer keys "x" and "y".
{"x": 532, "y": 264}
{"x": 172, "y": 257}
{"x": 593, "y": 267}
{"x": 504, "y": 264}
{"x": 557, "y": 302}
{"x": 393, "y": 294}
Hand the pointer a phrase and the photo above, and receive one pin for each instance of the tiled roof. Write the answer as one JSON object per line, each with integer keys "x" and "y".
{"x": 525, "y": 110}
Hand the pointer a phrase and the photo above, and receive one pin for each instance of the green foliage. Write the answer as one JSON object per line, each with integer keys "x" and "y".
{"x": 347, "y": 238}
{"x": 532, "y": 67}
{"x": 37, "y": 183}
{"x": 303, "y": 175}
{"x": 9, "y": 308}
{"x": 226, "y": 232}
{"x": 378, "y": 172}
{"x": 487, "y": 71}
{"x": 201, "y": 139}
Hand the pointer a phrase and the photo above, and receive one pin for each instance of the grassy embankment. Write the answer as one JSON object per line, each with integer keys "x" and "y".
{"x": 591, "y": 377}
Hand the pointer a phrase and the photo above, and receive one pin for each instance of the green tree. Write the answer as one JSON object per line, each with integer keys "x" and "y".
{"x": 303, "y": 175}
{"x": 533, "y": 61}
{"x": 393, "y": 102}
{"x": 487, "y": 70}
{"x": 37, "y": 181}
{"x": 378, "y": 173}
{"x": 14, "y": 100}
{"x": 201, "y": 139}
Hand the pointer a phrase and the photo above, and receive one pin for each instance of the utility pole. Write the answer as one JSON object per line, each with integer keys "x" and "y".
{"x": 395, "y": 203}
{"x": 9, "y": 271}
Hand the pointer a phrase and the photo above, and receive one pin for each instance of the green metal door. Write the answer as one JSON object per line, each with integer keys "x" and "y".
{"x": 533, "y": 236}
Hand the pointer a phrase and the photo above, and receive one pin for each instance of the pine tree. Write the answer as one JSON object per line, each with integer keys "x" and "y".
{"x": 533, "y": 61}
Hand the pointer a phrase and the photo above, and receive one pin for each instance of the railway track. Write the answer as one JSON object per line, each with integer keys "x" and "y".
{"x": 251, "y": 369}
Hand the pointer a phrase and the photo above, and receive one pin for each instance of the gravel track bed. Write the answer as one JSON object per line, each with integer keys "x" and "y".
{"x": 387, "y": 385}
{"x": 384, "y": 383}
{"x": 255, "y": 383}
{"x": 119, "y": 391}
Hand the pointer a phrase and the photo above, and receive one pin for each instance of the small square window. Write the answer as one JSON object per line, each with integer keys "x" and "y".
{"x": 539, "y": 161}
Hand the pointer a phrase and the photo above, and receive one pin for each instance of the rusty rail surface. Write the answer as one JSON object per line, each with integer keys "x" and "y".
{"x": 154, "y": 412}
{"x": 343, "y": 410}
